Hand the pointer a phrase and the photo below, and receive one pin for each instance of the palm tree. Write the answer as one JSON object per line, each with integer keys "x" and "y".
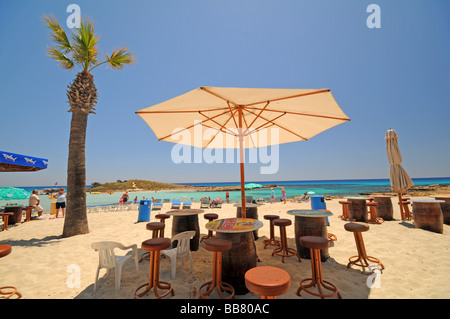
{"x": 80, "y": 51}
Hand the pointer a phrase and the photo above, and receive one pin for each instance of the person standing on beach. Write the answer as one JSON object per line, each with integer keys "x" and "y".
{"x": 272, "y": 196}
{"x": 125, "y": 197}
{"x": 283, "y": 195}
{"x": 34, "y": 202}
{"x": 228, "y": 197}
{"x": 60, "y": 202}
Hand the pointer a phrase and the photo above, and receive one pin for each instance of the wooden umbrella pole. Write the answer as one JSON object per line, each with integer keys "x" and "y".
{"x": 241, "y": 156}
{"x": 400, "y": 202}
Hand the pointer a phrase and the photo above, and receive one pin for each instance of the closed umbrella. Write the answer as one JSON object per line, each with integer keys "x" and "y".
{"x": 400, "y": 180}
{"x": 239, "y": 114}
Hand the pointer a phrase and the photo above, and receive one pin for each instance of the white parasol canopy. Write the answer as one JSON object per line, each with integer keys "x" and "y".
{"x": 236, "y": 117}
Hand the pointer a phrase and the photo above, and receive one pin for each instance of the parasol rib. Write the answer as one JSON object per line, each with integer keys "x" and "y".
{"x": 270, "y": 121}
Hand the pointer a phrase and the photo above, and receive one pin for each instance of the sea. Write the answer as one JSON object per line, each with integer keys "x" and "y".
{"x": 344, "y": 188}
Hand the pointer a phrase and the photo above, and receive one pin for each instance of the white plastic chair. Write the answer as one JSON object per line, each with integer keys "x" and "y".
{"x": 182, "y": 250}
{"x": 107, "y": 259}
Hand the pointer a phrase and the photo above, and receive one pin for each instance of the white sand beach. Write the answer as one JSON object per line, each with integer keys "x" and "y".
{"x": 416, "y": 261}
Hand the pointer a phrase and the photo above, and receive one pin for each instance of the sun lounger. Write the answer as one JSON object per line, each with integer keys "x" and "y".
{"x": 166, "y": 200}
{"x": 157, "y": 204}
{"x": 204, "y": 202}
{"x": 186, "y": 203}
{"x": 176, "y": 204}
{"x": 216, "y": 203}
{"x": 304, "y": 198}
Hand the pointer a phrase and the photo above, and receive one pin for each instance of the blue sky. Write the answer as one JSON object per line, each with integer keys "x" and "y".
{"x": 397, "y": 76}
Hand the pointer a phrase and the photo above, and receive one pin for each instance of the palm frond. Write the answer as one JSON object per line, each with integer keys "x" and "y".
{"x": 58, "y": 34}
{"x": 118, "y": 59}
{"x": 61, "y": 58}
{"x": 85, "y": 44}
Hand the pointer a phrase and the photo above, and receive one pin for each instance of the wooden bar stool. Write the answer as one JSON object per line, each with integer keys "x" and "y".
{"x": 267, "y": 282}
{"x": 406, "y": 210}
{"x": 154, "y": 247}
{"x": 284, "y": 250}
{"x": 210, "y": 217}
{"x": 361, "y": 260}
{"x": 6, "y": 219}
{"x": 217, "y": 246}
{"x": 345, "y": 215}
{"x": 157, "y": 229}
{"x": 315, "y": 244}
{"x": 373, "y": 219}
{"x": 162, "y": 219}
{"x": 7, "y": 292}
{"x": 28, "y": 211}
{"x": 271, "y": 241}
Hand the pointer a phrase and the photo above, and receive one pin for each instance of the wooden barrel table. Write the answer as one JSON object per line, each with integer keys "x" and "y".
{"x": 310, "y": 223}
{"x": 251, "y": 211}
{"x": 184, "y": 220}
{"x": 357, "y": 210}
{"x": 384, "y": 209}
{"x": 445, "y": 207}
{"x": 242, "y": 255}
{"x": 17, "y": 217}
{"x": 428, "y": 215}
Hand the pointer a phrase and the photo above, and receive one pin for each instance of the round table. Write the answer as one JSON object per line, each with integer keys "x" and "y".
{"x": 384, "y": 209}
{"x": 357, "y": 210}
{"x": 251, "y": 211}
{"x": 242, "y": 255}
{"x": 428, "y": 214}
{"x": 184, "y": 220}
{"x": 309, "y": 222}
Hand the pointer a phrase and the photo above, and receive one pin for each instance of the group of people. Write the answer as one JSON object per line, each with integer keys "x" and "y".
{"x": 272, "y": 196}
{"x": 35, "y": 202}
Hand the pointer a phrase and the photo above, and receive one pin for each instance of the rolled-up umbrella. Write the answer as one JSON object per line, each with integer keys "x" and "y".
{"x": 400, "y": 180}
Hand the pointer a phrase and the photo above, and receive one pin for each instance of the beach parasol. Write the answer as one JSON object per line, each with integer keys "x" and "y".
{"x": 10, "y": 193}
{"x": 400, "y": 181}
{"x": 238, "y": 116}
{"x": 251, "y": 186}
{"x": 11, "y": 162}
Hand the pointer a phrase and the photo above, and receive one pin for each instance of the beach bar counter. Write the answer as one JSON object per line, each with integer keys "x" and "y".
{"x": 242, "y": 256}
{"x": 310, "y": 222}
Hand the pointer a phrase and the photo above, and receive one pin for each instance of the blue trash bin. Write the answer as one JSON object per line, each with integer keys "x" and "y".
{"x": 318, "y": 202}
{"x": 144, "y": 210}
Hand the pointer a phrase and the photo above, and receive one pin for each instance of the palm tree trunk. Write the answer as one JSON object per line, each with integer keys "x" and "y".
{"x": 76, "y": 217}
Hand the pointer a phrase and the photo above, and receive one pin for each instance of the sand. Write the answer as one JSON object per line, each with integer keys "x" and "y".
{"x": 42, "y": 264}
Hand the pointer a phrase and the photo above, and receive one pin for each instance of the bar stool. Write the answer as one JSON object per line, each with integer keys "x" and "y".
{"x": 6, "y": 219}
{"x": 28, "y": 211}
{"x": 271, "y": 241}
{"x": 157, "y": 229}
{"x": 361, "y": 259}
{"x": 345, "y": 215}
{"x": 217, "y": 246}
{"x": 7, "y": 291}
{"x": 315, "y": 244}
{"x": 210, "y": 217}
{"x": 284, "y": 250}
{"x": 407, "y": 211}
{"x": 267, "y": 282}
{"x": 373, "y": 213}
{"x": 154, "y": 247}
{"x": 162, "y": 219}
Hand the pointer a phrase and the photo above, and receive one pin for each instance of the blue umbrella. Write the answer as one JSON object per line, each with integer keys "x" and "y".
{"x": 11, "y": 162}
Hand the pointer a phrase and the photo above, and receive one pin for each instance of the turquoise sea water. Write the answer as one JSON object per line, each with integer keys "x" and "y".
{"x": 344, "y": 188}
